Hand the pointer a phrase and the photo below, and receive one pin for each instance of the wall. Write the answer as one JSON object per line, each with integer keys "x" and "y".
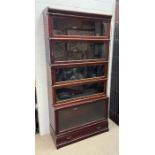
{"x": 114, "y": 91}
{"x": 96, "y": 6}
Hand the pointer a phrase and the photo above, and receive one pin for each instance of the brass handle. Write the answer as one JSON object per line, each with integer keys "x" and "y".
{"x": 69, "y": 137}
{"x": 75, "y": 109}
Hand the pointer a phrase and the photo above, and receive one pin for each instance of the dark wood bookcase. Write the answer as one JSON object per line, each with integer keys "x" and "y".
{"x": 77, "y": 50}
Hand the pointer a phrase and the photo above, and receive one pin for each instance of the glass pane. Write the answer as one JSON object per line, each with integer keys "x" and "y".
{"x": 79, "y": 91}
{"x": 70, "y": 26}
{"x": 79, "y": 115}
{"x": 76, "y": 73}
{"x": 79, "y": 50}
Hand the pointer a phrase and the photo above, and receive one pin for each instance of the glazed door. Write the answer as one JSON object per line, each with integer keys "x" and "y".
{"x": 78, "y": 50}
{"x": 79, "y": 73}
{"x": 77, "y": 27}
{"x": 73, "y": 92}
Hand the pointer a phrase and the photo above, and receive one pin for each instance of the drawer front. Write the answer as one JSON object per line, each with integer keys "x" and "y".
{"x": 84, "y": 132}
{"x": 76, "y": 116}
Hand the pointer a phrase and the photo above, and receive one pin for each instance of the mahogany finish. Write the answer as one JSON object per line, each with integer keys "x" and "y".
{"x": 78, "y": 102}
{"x": 79, "y": 38}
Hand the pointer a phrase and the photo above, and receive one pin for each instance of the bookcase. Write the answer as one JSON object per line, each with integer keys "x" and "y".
{"x": 77, "y": 51}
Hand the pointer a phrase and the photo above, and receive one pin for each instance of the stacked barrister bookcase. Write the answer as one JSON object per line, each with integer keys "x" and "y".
{"x": 77, "y": 46}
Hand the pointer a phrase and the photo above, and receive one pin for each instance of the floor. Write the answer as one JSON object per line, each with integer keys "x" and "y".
{"x": 103, "y": 144}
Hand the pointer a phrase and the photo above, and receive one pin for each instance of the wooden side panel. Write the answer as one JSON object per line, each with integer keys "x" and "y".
{"x": 49, "y": 77}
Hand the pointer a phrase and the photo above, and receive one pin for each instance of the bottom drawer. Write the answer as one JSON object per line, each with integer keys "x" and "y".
{"x": 82, "y": 133}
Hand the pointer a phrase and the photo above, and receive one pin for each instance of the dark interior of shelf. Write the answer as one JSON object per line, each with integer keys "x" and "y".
{"x": 65, "y": 51}
{"x": 79, "y": 91}
{"x": 78, "y": 73}
{"x": 69, "y": 26}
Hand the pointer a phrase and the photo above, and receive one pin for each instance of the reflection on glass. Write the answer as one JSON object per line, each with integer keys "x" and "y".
{"x": 79, "y": 91}
{"x": 76, "y": 116}
{"x": 68, "y": 26}
{"x": 79, "y": 50}
{"x": 65, "y": 74}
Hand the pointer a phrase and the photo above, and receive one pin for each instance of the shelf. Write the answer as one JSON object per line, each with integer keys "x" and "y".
{"x": 72, "y": 63}
{"x": 79, "y": 101}
{"x": 78, "y": 38}
{"x": 79, "y": 82}
{"x": 83, "y": 15}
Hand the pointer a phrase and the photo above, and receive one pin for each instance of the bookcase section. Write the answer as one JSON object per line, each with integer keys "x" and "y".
{"x": 77, "y": 50}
